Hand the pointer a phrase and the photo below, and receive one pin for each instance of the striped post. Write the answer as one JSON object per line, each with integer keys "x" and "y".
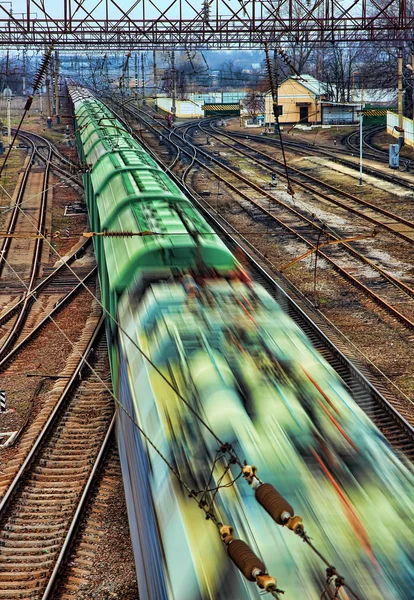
{"x": 67, "y": 231}
{"x": 2, "y": 400}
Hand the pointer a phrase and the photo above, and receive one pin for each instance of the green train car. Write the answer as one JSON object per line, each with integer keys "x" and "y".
{"x": 126, "y": 191}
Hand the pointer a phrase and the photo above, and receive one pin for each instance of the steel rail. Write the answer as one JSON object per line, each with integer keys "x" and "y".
{"x": 25, "y": 302}
{"x": 7, "y": 315}
{"x": 368, "y": 395}
{"x": 394, "y": 280}
{"x": 27, "y": 297}
{"x": 16, "y": 207}
{"x": 57, "y": 538}
{"x": 380, "y": 155}
{"x": 44, "y": 140}
{"x": 383, "y": 303}
{"x": 12, "y": 489}
{"x": 29, "y": 136}
{"x": 339, "y": 155}
{"x": 79, "y": 287}
{"x": 333, "y": 189}
{"x": 77, "y": 517}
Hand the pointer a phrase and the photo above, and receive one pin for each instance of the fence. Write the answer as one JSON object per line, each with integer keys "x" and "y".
{"x": 408, "y": 126}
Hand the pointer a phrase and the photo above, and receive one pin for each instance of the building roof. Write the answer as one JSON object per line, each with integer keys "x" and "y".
{"x": 310, "y": 83}
{"x": 317, "y": 88}
{"x": 329, "y": 103}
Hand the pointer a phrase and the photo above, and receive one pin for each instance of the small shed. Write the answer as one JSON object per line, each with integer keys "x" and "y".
{"x": 183, "y": 108}
{"x": 339, "y": 113}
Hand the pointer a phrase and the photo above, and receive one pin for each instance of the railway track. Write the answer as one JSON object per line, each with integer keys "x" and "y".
{"x": 386, "y": 290}
{"x": 15, "y": 210}
{"x": 40, "y": 510}
{"x": 53, "y": 281}
{"x": 64, "y": 167}
{"x": 30, "y": 204}
{"x": 26, "y": 334}
{"x": 340, "y": 156}
{"x": 380, "y": 217}
{"x": 76, "y": 570}
{"x": 386, "y": 407}
{"x": 35, "y": 209}
{"x": 351, "y": 141}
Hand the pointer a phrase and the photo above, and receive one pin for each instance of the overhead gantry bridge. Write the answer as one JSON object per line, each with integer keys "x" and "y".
{"x": 209, "y": 24}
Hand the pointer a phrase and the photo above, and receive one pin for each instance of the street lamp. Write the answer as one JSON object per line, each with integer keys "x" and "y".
{"x": 411, "y": 68}
{"x": 361, "y": 116}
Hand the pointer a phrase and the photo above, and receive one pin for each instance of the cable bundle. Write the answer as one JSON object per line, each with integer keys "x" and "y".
{"x": 39, "y": 76}
{"x": 42, "y": 70}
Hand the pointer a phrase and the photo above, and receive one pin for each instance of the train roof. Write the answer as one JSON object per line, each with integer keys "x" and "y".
{"x": 131, "y": 193}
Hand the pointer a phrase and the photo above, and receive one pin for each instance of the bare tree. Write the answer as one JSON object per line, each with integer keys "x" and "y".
{"x": 300, "y": 52}
{"x": 190, "y": 70}
{"x": 339, "y": 65}
{"x": 254, "y": 103}
{"x": 230, "y": 74}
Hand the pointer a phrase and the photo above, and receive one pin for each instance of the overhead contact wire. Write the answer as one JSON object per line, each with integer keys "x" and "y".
{"x": 274, "y": 92}
{"x": 38, "y": 79}
{"x": 144, "y": 355}
{"x": 225, "y": 447}
{"x": 364, "y": 356}
{"x": 191, "y": 492}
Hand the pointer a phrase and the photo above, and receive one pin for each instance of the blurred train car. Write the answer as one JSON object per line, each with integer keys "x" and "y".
{"x": 184, "y": 316}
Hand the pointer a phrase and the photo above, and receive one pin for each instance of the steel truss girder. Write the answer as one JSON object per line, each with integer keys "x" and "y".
{"x": 187, "y": 24}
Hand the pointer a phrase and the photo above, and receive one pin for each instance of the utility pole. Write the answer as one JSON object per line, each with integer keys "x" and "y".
{"x": 412, "y": 80}
{"x": 362, "y": 92}
{"x": 106, "y": 65}
{"x": 143, "y": 77}
{"x": 7, "y": 68}
{"x": 273, "y": 82}
{"x": 9, "y": 138}
{"x": 353, "y": 85}
{"x": 127, "y": 75}
{"x": 400, "y": 99}
{"x": 125, "y": 72}
{"x": 154, "y": 63}
{"x": 57, "y": 87}
{"x": 275, "y": 89}
{"x": 24, "y": 73}
{"x": 174, "y": 83}
{"x": 136, "y": 75}
{"x": 48, "y": 100}
{"x": 361, "y": 118}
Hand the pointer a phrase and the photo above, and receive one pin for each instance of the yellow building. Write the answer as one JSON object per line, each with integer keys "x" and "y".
{"x": 299, "y": 101}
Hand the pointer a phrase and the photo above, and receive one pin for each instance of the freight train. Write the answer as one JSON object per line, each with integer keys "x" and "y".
{"x": 198, "y": 353}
